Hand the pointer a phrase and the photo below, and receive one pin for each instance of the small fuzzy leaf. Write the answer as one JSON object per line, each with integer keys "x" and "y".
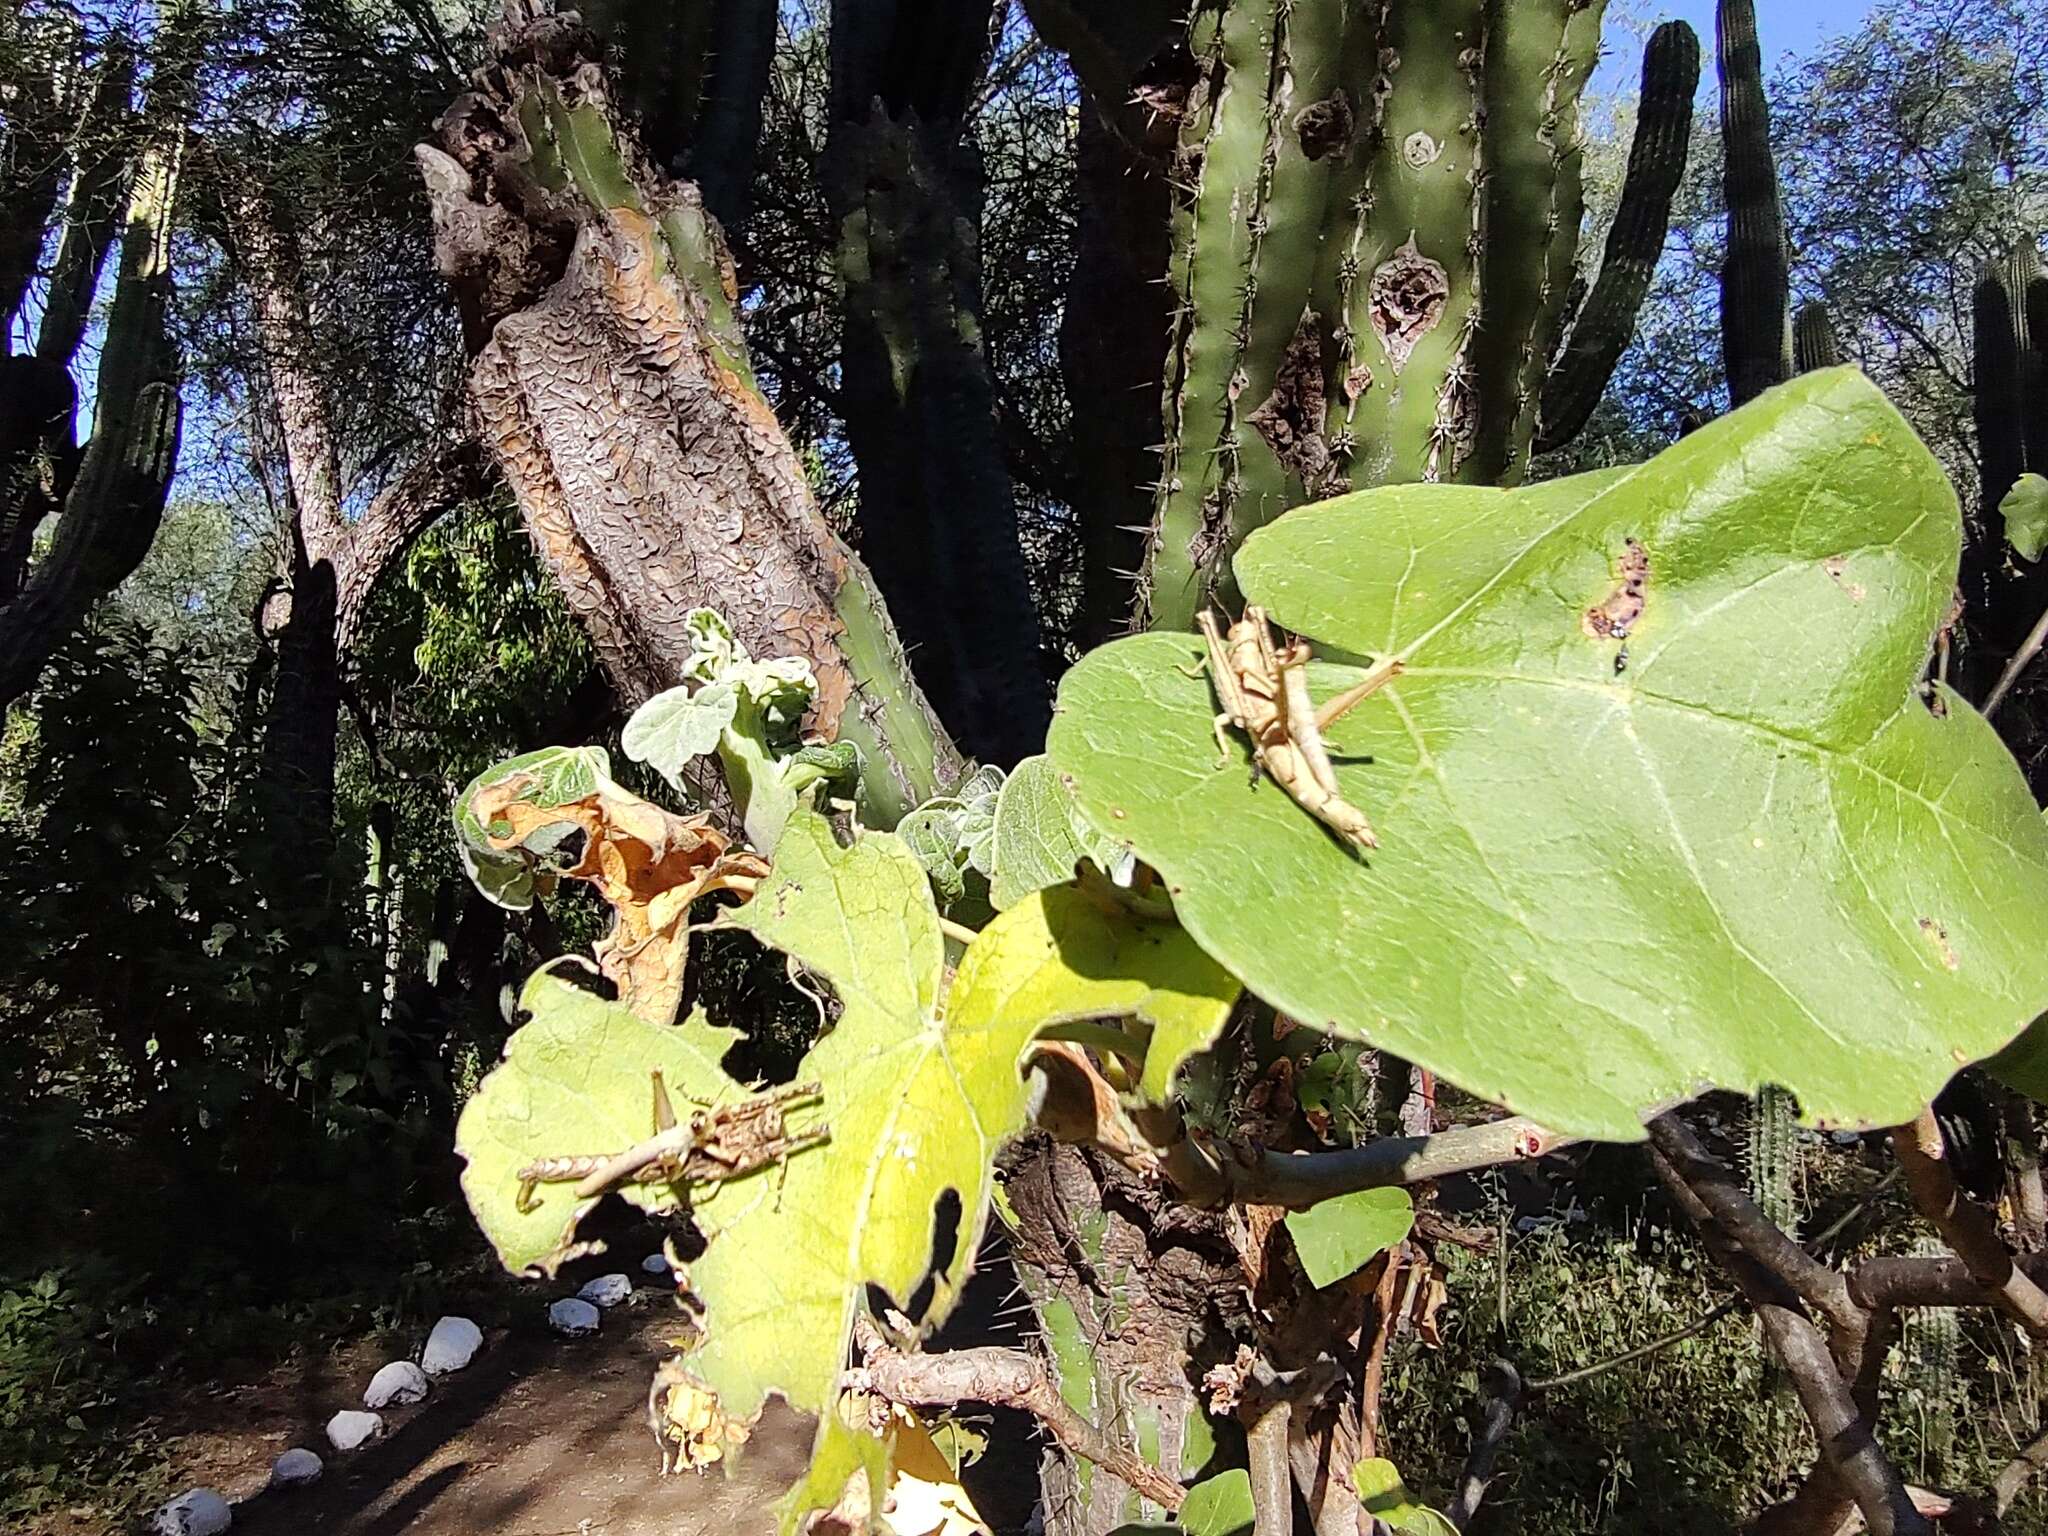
{"x": 1039, "y": 834}
{"x": 2025, "y": 510}
{"x": 1339, "y": 1237}
{"x": 577, "y": 1080}
{"x": 678, "y": 726}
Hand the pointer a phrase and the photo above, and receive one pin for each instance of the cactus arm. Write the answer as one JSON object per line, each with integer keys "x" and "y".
{"x": 1756, "y": 321}
{"x": 1245, "y": 246}
{"x": 1531, "y": 203}
{"x": 1814, "y": 344}
{"x": 92, "y": 211}
{"x": 115, "y": 504}
{"x": 1656, "y": 165}
{"x": 1998, "y": 307}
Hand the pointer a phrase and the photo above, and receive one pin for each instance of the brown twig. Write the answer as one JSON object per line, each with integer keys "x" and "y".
{"x": 1301, "y": 1179}
{"x": 2031, "y": 1459}
{"x": 1966, "y": 1229}
{"x": 1008, "y": 1378}
{"x": 1628, "y": 1356}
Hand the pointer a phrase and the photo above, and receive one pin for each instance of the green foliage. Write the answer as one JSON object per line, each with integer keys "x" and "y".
{"x": 1339, "y": 1237}
{"x": 1619, "y": 870}
{"x": 1040, "y": 836}
{"x": 2025, "y": 511}
{"x": 58, "y": 1388}
{"x": 1387, "y": 1499}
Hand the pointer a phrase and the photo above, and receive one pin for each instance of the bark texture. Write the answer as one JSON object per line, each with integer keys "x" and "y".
{"x": 611, "y": 386}
{"x": 938, "y": 521}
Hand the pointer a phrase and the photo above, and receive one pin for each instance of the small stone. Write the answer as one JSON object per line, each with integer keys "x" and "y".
{"x": 295, "y": 1468}
{"x": 452, "y": 1345}
{"x": 655, "y": 1264}
{"x": 397, "y": 1384}
{"x": 607, "y": 1290}
{"x": 196, "y": 1512}
{"x": 352, "y": 1428}
{"x": 574, "y": 1317}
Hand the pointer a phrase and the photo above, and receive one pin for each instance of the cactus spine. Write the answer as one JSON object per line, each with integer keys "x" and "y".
{"x": 1377, "y": 223}
{"x": 1813, "y": 339}
{"x": 1756, "y": 321}
{"x": 1656, "y": 164}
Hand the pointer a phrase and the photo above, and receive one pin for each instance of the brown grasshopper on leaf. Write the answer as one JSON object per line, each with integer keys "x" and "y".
{"x": 716, "y": 1143}
{"x": 1263, "y": 689}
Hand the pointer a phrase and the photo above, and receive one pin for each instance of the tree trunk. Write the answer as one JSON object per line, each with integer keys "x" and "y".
{"x": 611, "y": 383}
{"x": 938, "y": 522}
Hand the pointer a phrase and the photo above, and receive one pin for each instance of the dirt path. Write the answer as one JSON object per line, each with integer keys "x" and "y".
{"x": 541, "y": 1436}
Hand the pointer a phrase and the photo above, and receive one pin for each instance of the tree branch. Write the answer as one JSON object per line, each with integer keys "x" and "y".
{"x": 1258, "y": 1176}
{"x": 1966, "y": 1229}
{"x": 1717, "y": 1189}
{"x": 2017, "y": 1473}
{"x": 1500, "y": 1394}
{"x": 1848, "y": 1446}
{"x": 1008, "y": 1378}
{"x": 1265, "y": 1444}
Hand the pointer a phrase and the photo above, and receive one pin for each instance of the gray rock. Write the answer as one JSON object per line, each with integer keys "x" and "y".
{"x": 452, "y": 1345}
{"x": 196, "y": 1512}
{"x": 397, "y": 1384}
{"x": 607, "y": 1290}
{"x": 574, "y": 1317}
{"x": 655, "y": 1264}
{"x": 296, "y": 1468}
{"x": 352, "y": 1428}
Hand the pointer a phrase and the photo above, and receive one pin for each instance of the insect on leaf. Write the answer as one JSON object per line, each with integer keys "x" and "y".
{"x": 1659, "y": 804}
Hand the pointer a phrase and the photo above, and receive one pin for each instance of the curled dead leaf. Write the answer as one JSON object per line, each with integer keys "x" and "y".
{"x": 687, "y": 1421}
{"x": 648, "y": 864}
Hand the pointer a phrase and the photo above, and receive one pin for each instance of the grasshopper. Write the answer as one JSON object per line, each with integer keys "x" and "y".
{"x": 716, "y": 1143}
{"x": 1263, "y": 689}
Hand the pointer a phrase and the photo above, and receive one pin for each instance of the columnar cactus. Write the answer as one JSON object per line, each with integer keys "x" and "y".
{"x": 1756, "y": 321}
{"x": 1814, "y": 344}
{"x": 1656, "y": 163}
{"x": 1772, "y": 1161}
{"x": 2012, "y": 373}
{"x": 1374, "y": 253}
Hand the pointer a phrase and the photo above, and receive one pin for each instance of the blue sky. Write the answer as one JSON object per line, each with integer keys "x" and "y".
{"x": 1794, "y": 27}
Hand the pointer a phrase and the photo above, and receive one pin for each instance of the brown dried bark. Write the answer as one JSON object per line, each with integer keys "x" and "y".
{"x": 609, "y": 383}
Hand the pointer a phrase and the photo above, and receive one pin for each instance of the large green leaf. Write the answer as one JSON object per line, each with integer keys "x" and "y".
{"x": 1752, "y": 856}
{"x": 576, "y": 1081}
{"x": 917, "y": 1097}
{"x": 2025, "y": 510}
